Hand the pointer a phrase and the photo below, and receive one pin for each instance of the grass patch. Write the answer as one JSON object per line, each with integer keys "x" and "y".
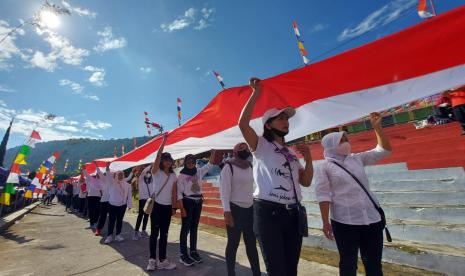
{"x": 329, "y": 257}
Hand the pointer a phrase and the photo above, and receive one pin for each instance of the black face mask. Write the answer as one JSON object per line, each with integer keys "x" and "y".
{"x": 279, "y": 132}
{"x": 243, "y": 154}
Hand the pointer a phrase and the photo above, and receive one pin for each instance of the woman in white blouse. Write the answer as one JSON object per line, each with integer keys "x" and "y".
{"x": 278, "y": 175}
{"x": 120, "y": 199}
{"x": 355, "y": 223}
{"x": 236, "y": 187}
{"x": 190, "y": 200}
{"x": 163, "y": 190}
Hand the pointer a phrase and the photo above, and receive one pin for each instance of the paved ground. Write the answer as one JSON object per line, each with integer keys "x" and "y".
{"x": 49, "y": 241}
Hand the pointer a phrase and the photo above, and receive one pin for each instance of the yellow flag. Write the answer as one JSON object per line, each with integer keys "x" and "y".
{"x": 20, "y": 159}
{"x": 28, "y": 194}
{"x": 5, "y": 199}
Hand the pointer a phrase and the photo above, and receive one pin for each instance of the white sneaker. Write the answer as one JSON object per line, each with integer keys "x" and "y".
{"x": 144, "y": 234}
{"x": 165, "y": 264}
{"x": 152, "y": 265}
{"x": 136, "y": 236}
{"x": 109, "y": 239}
{"x": 119, "y": 238}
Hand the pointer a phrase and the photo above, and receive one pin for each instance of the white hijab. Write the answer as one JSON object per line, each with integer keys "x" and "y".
{"x": 330, "y": 142}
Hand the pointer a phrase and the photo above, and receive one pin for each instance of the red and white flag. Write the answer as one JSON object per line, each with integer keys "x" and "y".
{"x": 417, "y": 62}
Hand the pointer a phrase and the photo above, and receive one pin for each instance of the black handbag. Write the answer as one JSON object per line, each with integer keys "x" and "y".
{"x": 302, "y": 211}
{"x": 377, "y": 207}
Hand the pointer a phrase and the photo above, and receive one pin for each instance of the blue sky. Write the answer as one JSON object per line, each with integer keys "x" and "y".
{"x": 111, "y": 60}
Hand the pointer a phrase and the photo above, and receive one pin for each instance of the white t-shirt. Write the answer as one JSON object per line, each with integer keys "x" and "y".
{"x": 236, "y": 187}
{"x": 158, "y": 180}
{"x": 185, "y": 182}
{"x": 272, "y": 176}
{"x": 120, "y": 196}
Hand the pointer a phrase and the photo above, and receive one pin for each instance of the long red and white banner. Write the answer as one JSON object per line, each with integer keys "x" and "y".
{"x": 419, "y": 61}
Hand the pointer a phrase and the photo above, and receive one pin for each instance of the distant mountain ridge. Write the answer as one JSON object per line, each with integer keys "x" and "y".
{"x": 73, "y": 149}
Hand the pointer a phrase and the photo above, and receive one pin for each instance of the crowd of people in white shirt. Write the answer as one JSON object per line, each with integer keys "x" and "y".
{"x": 270, "y": 213}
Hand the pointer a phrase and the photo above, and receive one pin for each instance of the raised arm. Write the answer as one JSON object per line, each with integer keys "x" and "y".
{"x": 306, "y": 174}
{"x": 383, "y": 140}
{"x": 156, "y": 163}
{"x": 248, "y": 132}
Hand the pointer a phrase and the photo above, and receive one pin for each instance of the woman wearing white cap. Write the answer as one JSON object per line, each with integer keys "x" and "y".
{"x": 342, "y": 186}
{"x": 278, "y": 175}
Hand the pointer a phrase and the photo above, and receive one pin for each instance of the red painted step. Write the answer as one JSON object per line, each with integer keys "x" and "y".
{"x": 212, "y": 209}
{"x": 212, "y": 201}
{"x": 215, "y": 194}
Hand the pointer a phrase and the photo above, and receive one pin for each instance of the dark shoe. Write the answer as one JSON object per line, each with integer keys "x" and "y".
{"x": 186, "y": 260}
{"x": 196, "y": 257}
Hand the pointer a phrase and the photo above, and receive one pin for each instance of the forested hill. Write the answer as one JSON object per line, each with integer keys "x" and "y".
{"x": 74, "y": 150}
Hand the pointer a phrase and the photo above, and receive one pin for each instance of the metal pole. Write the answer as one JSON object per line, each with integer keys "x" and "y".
{"x": 432, "y": 7}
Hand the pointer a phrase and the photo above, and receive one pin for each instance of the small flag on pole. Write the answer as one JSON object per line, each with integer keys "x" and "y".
{"x": 300, "y": 44}
{"x": 219, "y": 78}
{"x": 135, "y": 142}
{"x": 423, "y": 9}
{"x": 147, "y": 123}
{"x": 114, "y": 152}
{"x": 179, "y": 102}
{"x": 66, "y": 165}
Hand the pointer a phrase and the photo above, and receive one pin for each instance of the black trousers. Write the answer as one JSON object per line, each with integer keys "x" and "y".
{"x": 94, "y": 208}
{"x": 277, "y": 232}
{"x": 76, "y": 202}
{"x": 142, "y": 216}
{"x": 351, "y": 238}
{"x": 82, "y": 204}
{"x": 243, "y": 224}
{"x": 103, "y": 215}
{"x": 69, "y": 201}
{"x": 116, "y": 216}
{"x": 459, "y": 112}
{"x": 160, "y": 220}
{"x": 190, "y": 224}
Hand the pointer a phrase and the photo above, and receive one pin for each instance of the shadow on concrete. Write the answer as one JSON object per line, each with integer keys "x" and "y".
{"x": 137, "y": 253}
{"x": 8, "y": 234}
{"x": 48, "y": 215}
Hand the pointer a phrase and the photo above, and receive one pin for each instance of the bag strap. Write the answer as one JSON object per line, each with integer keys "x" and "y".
{"x": 288, "y": 164}
{"x": 231, "y": 167}
{"x": 377, "y": 207}
{"x": 360, "y": 184}
{"x": 166, "y": 181}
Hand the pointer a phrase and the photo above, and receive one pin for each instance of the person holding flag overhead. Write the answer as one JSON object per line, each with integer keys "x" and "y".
{"x": 280, "y": 221}
{"x": 163, "y": 192}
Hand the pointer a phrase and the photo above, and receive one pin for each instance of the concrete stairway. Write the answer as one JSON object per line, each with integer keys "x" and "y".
{"x": 425, "y": 211}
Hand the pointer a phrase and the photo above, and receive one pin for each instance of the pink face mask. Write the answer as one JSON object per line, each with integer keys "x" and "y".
{"x": 344, "y": 148}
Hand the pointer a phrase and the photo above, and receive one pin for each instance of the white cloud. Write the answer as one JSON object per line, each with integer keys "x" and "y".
{"x": 191, "y": 17}
{"x": 45, "y": 62}
{"x": 108, "y": 41}
{"x": 96, "y": 125}
{"x": 197, "y": 68}
{"x": 79, "y": 11}
{"x": 8, "y": 48}
{"x": 98, "y": 75}
{"x": 93, "y": 97}
{"x": 61, "y": 50}
{"x": 59, "y": 128}
{"x": 4, "y": 88}
{"x": 318, "y": 28}
{"x": 77, "y": 89}
{"x": 380, "y": 17}
{"x": 146, "y": 70}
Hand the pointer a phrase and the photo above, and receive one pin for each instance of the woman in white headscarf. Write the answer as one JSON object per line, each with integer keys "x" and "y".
{"x": 355, "y": 222}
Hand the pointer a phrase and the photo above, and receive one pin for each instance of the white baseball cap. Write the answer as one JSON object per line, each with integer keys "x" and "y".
{"x": 271, "y": 113}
